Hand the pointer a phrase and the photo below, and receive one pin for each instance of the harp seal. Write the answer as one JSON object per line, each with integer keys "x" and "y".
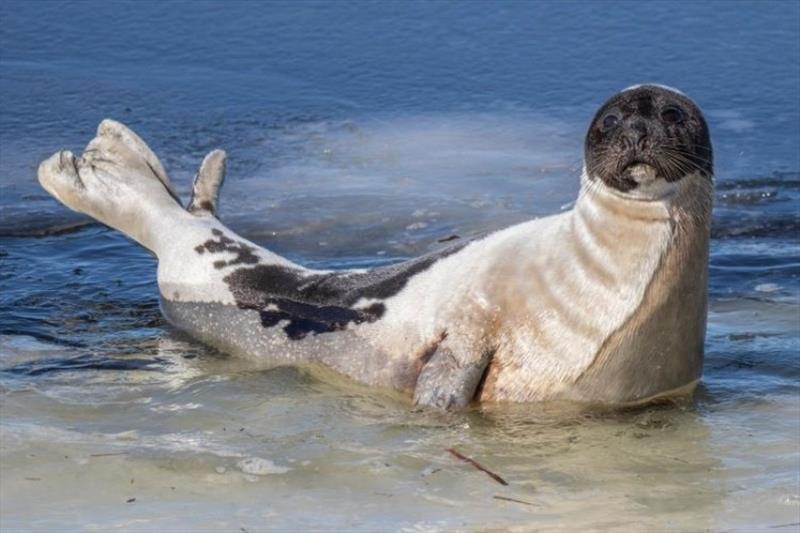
{"x": 605, "y": 303}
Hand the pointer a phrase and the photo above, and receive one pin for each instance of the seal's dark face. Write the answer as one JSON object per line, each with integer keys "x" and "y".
{"x": 647, "y": 130}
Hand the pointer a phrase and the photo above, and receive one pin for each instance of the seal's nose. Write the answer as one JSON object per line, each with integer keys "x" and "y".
{"x": 636, "y": 134}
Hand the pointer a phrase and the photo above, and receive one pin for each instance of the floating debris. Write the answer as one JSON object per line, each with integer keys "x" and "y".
{"x": 507, "y": 499}
{"x": 477, "y": 465}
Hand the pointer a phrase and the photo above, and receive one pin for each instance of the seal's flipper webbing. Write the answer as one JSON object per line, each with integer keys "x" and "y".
{"x": 207, "y": 182}
{"x": 448, "y": 381}
{"x": 120, "y": 135}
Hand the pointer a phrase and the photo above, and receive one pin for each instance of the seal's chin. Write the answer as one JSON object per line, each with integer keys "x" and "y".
{"x": 641, "y": 173}
{"x": 645, "y": 183}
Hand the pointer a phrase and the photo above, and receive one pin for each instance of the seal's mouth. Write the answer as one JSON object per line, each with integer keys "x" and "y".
{"x": 642, "y": 180}
{"x": 640, "y": 172}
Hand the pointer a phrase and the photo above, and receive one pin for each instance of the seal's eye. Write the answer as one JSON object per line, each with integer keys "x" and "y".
{"x": 609, "y": 121}
{"x": 672, "y": 115}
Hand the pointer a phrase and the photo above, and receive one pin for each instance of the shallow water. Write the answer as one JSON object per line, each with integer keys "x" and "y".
{"x": 359, "y": 134}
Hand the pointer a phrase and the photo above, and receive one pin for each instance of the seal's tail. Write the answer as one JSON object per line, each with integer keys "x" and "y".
{"x": 120, "y": 182}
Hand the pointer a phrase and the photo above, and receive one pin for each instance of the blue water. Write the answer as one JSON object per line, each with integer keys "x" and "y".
{"x": 359, "y": 133}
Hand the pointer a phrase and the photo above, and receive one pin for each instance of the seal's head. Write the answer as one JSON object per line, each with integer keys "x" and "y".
{"x": 646, "y": 139}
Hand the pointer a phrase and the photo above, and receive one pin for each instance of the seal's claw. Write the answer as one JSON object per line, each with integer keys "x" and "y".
{"x": 59, "y": 176}
{"x": 207, "y": 182}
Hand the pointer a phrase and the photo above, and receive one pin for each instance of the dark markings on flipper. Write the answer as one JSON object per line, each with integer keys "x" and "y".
{"x": 316, "y": 303}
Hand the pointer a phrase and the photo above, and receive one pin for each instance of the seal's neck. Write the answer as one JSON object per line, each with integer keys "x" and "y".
{"x": 658, "y": 346}
{"x": 607, "y": 200}
{"x": 643, "y": 237}
{"x": 687, "y": 202}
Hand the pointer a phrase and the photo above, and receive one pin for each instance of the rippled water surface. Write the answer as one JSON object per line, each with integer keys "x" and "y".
{"x": 359, "y": 134}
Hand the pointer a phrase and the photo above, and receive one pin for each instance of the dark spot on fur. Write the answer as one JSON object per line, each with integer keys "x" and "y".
{"x": 376, "y": 309}
{"x": 644, "y": 105}
{"x": 322, "y": 303}
{"x": 309, "y": 318}
{"x": 244, "y": 252}
{"x": 252, "y": 285}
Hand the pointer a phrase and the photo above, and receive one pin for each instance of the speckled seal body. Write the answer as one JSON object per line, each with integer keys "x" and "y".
{"x": 605, "y": 303}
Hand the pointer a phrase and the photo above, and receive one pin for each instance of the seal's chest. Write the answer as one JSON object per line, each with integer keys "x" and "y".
{"x": 564, "y": 305}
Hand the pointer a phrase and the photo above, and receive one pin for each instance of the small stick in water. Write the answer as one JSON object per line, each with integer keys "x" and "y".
{"x": 479, "y": 466}
{"x": 507, "y": 499}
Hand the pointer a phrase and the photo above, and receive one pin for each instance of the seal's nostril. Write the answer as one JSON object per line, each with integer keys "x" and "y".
{"x": 636, "y": 134}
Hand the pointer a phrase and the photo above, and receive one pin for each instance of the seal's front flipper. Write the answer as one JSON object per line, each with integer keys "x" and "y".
{"x": 207, "y": 182}
{"x": 448, "y": 381}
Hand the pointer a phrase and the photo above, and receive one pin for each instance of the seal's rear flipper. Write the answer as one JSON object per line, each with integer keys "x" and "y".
{"x": 207, "y": 182}
{"x": 118, "y": 180}
{"x": 120, "y": 135}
